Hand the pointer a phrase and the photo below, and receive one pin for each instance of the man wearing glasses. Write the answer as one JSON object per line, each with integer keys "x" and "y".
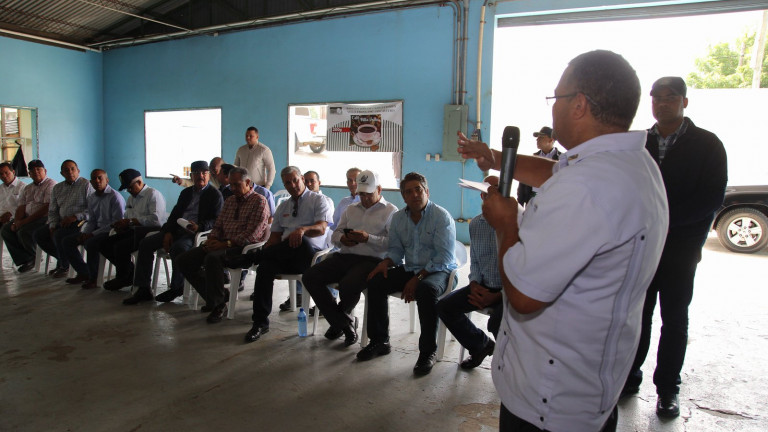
{"x": 195, "y": 211}
{"x": 695, "y": 171}
{"x": 569, "y": 332}
{"x": 298, "y": 231}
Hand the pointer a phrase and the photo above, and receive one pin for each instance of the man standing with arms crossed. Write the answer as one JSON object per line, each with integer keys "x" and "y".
{"x": 568, "y": 334}
{"x": 695, "y": 170}
{"x": 256, "y": 158}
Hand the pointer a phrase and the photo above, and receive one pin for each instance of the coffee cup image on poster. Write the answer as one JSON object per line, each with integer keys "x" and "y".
{"x": 365, "y": 130}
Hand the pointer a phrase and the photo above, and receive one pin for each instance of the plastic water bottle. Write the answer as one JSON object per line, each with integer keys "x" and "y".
{"x": 302, "y": 323}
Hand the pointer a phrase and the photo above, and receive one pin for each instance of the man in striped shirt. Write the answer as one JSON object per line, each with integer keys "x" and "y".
{"x": 243, "y": 220}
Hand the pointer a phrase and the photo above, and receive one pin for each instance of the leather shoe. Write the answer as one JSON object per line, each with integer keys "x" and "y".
{"x": 286, "y": 305}
{"x": 89, "y": 284}
{"x": 141, "y": 294}
{"x": 474, "y": 360}
{"x": 350, "y": 336}
{"x": 629, "y": 390}
{"x": 333, "y": 333}
{"x": 424, "y": 363}
{"x": 255, "y": 333}
{"x": 116, "y": 284}
{"x": 26, "y": 267}
{"x": 218, "y": 312}
{"x": 206, "y": 308}
{"x": 79, "y": 279}
{"x": 170, "y": 295}
{"x": 668, "y": 406}
{"x": 374, "y": 349}
{"x": 59, "y": 272}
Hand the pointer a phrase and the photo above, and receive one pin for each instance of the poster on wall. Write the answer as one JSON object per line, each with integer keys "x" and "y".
{"x": 370, "y": 127}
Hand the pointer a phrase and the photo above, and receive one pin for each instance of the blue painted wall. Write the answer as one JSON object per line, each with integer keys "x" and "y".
{"x": 66, "y": 88}
{"x": 254, "y": 75}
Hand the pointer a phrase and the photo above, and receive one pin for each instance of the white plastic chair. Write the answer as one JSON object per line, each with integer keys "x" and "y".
{"x": 305, "y": 299}
{"x": 487, "y": 311}
{"x": 460, "y": 252}
{"x": 234, "y": 275}
{"x": 39, "y": 259}
{"x": 190, "y": 292}
{"x": 281, "y": 196}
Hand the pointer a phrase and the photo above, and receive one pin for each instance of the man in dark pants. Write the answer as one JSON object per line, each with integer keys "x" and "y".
{"x": 298, "y": 231}
{"x": 547, "y": 149}
{"x": 144, "y": 213}
{"x": 695, "y": 170}
{"x": 362, "y": 238}
{"x": 423, "y": 235}
{"x": 197, "y": 208}
{"x": 243, "y": 221}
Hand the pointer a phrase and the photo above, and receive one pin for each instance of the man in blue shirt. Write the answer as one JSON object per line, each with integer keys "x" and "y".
{"x": 423, "y": 234}
{"x": 105, "y": 207}
{"x": 298, "y": 231}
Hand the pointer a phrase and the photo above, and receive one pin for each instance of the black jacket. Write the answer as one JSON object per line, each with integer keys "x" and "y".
{"x": 525, "y": 192}
{"x": 211, "y": 203}
{"x": 695, "y": 173}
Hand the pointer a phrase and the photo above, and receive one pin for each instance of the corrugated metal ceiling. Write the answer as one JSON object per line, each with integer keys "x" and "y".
{"x": 105, "y": 24}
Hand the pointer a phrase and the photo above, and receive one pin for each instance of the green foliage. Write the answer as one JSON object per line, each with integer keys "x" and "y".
{"x": 727, "y": 66}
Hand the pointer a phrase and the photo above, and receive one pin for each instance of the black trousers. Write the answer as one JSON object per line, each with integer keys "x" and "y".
{"x": 274, "y": 260}
{"x": 673, "y": 285}
{"x": 118, "y": 248}
{"x": 205, "y": 271}
{"x": 427, "y": 293}
{"x": 350, "y": 272}
{"x": 509, "y": 422}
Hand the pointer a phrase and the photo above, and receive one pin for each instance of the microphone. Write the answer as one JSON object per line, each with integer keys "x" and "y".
{"x": 509, "y": 142}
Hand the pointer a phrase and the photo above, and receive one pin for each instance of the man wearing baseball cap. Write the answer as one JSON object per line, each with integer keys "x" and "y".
{"x": 144, "y": 213}
{"x": 547, "y": 149}
{"x": 695, "y": 171}
{"x": 195, "y": 211}
{"x": 361, "y": 236}
{"x": 31, "y": 214}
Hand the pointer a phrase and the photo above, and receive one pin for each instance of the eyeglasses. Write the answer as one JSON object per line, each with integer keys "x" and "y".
{"x": 551, "y": 99}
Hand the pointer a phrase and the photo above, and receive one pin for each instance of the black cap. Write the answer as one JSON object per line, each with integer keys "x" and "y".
{"x": 127, "y": 177}
{"x": 676, "y": 84}
{"x": 544, "y": 131}
{"x": 35, "y": 163}
{"x": 199, "y": 166}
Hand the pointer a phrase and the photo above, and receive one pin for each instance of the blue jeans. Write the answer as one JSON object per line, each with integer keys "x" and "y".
{"x": 53, "y": 244}
{"x": 92, "y": 246}
{"x": 453, "y": 310}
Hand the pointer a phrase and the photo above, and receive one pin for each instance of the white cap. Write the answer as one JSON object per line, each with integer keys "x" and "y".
{"x": 367, "y": 181}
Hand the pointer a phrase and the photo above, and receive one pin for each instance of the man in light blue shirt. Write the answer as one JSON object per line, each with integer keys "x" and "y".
{"x": 423, "y": 234}
{"x": 298, "y": 231}
{"x": 105, "y": 207}
{"x": 352, "y": 174}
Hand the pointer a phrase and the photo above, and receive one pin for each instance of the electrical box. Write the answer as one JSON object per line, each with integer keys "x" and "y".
{"x": 454, "y": 120}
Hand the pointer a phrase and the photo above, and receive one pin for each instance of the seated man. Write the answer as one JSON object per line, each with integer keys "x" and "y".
{"x": 105, "y": 207}
{"x": 424, "y": 234}
{"x": 243, "y": 221}
{"x": 483, "y": 291}
{"x": 197, "y": 209}
{"x": 215, "y": 168}
{"x": 144, "y": 213}
{"x": 10, "y": 192}
{"x": 362, "y": 238}
{"x": 67, "y": 212}
{"x": 298, "y": 231}
{"x": 312, "y": 182}
{"x": 351, "y": 199}
{"x": 31, "y": 214}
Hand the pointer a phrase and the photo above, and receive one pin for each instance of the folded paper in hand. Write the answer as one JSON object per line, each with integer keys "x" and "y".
{"x": 478, "y": 186}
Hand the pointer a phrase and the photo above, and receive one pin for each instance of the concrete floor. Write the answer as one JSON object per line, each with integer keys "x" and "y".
{"x": 75, "y": 360}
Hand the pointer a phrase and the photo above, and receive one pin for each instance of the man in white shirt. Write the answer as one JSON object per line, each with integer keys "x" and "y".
{"x": 351, "y": 199}
{"x": 10, "y": 192}
{"x": 362, "y": 240}
{"x": 256, "y": 158}
{"x": 569, "y": 332}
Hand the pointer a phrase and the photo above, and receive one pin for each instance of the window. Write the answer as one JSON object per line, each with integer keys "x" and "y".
{"x": 332, "y": 137}
{"x": 18, "y": 136}
{"x": 176, "y": 138}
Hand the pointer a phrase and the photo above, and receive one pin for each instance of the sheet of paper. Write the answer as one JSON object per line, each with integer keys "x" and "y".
{"x": 478, "y": 186}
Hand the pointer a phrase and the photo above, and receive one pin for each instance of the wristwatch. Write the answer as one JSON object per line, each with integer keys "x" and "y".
{"x": 229, "y": 243}
{"x": 419, "y": 276}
